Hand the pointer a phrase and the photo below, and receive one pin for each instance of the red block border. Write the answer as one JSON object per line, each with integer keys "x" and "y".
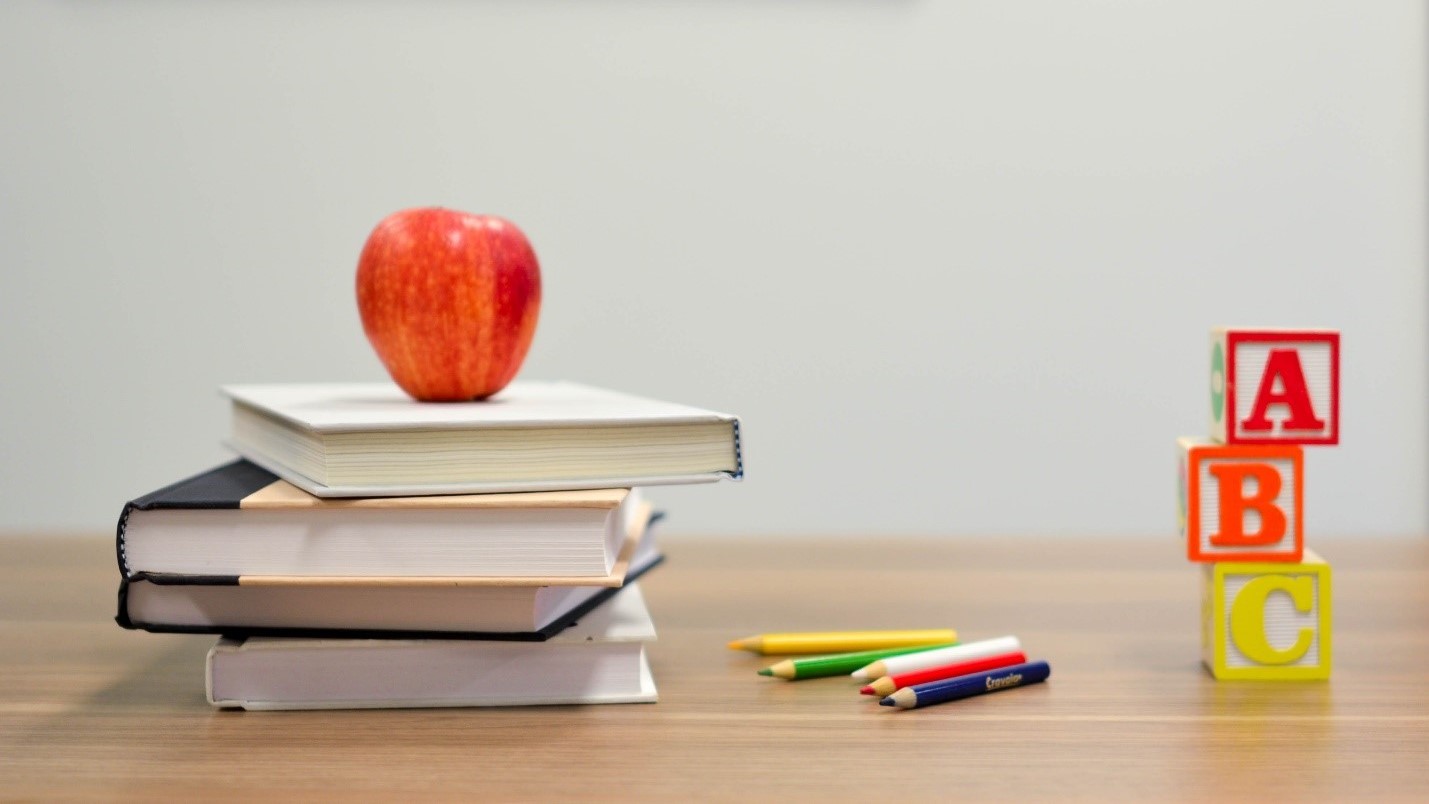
{"x": 1234, "y": 337}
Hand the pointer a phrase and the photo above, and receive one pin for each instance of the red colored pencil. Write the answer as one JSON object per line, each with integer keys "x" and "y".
{"x": 888, "y": 684}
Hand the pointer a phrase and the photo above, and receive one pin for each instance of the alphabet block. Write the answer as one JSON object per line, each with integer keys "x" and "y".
{"x": 1242, "y": 503}
{"x": 1275, "y": 386}
{"x": 1267, "y": 621}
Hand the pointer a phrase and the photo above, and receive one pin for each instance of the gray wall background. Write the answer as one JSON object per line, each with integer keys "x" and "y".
{"x": 954, "y": 262}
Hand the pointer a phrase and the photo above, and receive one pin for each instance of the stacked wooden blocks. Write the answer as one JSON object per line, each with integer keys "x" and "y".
{"x": 1266, "y": 599}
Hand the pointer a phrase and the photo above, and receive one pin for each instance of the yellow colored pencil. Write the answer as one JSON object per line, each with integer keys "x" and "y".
{"x": 842, "y": 641}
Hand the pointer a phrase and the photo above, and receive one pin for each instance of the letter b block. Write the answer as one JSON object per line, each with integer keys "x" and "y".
{"x": 1267, "y": 621}
{"x": 1275, "y": 386}
{"x": 1242, "y": 503}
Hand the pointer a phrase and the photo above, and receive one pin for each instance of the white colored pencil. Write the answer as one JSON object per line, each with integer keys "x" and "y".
{"x": 923, "y": 660}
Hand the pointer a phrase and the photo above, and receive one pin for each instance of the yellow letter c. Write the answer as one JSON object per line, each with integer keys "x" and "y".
{"x": 1248, "y": 617}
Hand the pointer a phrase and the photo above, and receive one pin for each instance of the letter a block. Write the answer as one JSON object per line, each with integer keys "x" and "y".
{"x": 1275, "y": 386}
{"x": 1242, "y": 503}
{"x": 1267, "y": 621}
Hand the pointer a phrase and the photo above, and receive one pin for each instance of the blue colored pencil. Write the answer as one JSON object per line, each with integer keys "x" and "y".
{"x": 951, "y": 689}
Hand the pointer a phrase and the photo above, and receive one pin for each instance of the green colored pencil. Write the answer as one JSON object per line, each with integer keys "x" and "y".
{"x": 838, "y": 664}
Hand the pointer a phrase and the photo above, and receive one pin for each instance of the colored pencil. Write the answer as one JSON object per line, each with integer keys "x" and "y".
{"x": 894, "y": 665}
{"x": 838, "y": 664}
{"x": 952, "y": 689}
{"x": 887, "y": 684}
{"x": 843, "y": 641}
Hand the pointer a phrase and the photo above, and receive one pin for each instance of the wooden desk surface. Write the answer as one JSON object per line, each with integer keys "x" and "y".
{"x": 88, "y": 710}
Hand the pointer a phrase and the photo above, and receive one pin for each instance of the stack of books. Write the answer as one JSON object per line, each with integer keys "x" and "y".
{"x": 373, "y": 551}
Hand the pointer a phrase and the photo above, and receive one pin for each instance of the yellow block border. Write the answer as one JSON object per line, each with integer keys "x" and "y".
{"x": 1311, "y": 563}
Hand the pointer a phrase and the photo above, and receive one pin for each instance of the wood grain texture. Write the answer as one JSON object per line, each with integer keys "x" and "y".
{"x": 88, "y": 710}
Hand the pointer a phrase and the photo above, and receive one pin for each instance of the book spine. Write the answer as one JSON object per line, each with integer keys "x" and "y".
{"x": 163, "y": 579}
{"x": 738, "y": 453}
{"x": 224, "y": 487}
{"x": 119, "y": 532}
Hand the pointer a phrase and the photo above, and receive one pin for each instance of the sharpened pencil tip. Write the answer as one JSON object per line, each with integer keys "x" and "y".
{"x": 887, "y": 702}
{"x": 860, "y": 675}
{"x": 768, "y": 671}
{"x": 866, "y": 690}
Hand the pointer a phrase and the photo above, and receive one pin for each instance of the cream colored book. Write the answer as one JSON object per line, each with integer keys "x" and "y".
{"x": 372, "y": 440}
{"x": 599, "y": 660}
{"x": 241, "y": 521}
{"x": 359, "y": 608}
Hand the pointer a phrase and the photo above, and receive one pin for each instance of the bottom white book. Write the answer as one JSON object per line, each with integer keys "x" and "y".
{"x": 598, "y": 660}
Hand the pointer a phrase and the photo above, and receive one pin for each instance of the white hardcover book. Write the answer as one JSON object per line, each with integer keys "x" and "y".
{"x": 371, "y": 439}
{"x": 599, "y": 660}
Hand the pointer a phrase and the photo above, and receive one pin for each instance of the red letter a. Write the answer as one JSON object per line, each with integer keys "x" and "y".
{"x": 1285, "y": 364}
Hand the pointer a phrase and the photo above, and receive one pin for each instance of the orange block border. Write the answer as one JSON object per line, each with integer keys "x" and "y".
{"x": 1250, "y": 453}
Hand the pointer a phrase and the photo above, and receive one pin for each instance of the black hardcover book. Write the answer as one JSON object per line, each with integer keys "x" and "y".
{"x": 356, "y": 567}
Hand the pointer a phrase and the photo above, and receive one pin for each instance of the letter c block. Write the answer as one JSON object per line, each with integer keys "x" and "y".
{"x": 1267, "y": 621}
{"x": 1241, "y": 503}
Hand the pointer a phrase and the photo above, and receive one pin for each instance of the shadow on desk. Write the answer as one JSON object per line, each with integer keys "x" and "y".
{"x": 168, "y": 680}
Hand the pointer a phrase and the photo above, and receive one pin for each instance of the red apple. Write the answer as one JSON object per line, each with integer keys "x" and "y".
{"x": 449, "y": 301}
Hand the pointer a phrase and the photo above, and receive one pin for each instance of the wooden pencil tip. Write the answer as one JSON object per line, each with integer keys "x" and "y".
{"x": 748, "y": 643}
{"x": 768, "y": 671}
{"x": 887, "y": 702}
{"x": 867, "y": 690}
